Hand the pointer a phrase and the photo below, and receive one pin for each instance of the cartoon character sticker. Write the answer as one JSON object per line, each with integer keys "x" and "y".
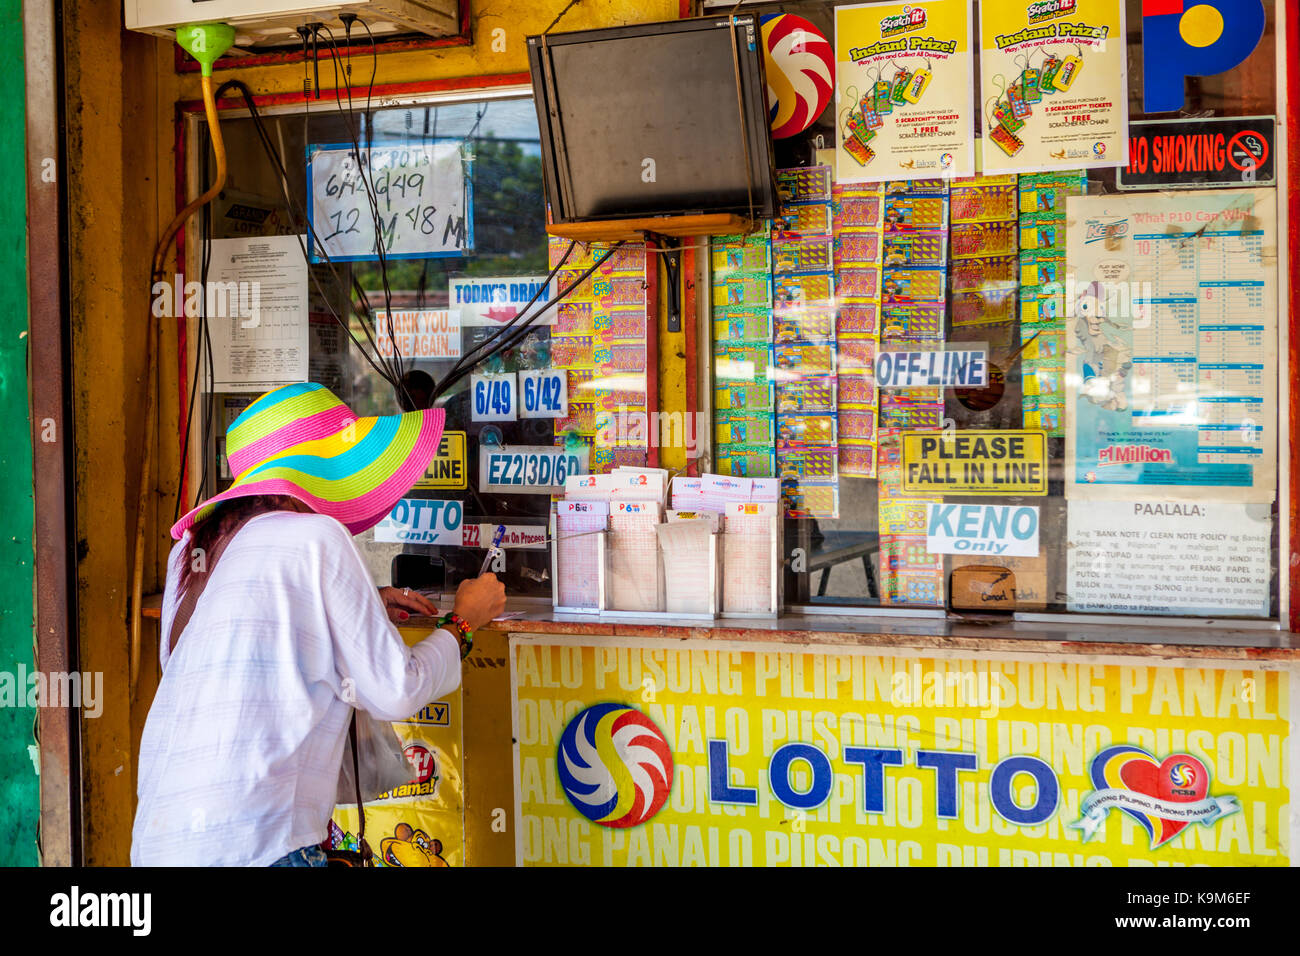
{"x": 410, "y": 847}
{"x": 1106, "y": 359}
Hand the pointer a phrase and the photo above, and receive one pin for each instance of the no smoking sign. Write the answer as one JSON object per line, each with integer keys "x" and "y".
{"x": 1196, "y": 153}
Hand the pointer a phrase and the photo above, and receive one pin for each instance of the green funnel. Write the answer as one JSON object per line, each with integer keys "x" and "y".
{"x": 205, "y": 42}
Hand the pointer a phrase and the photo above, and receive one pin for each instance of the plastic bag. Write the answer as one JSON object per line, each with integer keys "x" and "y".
{"x": 380, "y": 757}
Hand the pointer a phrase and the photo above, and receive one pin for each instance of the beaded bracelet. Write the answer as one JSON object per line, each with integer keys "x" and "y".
{"x": 466, "y": 635}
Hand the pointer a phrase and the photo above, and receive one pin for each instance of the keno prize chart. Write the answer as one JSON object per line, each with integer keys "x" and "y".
{"x": 1171, "y": 322}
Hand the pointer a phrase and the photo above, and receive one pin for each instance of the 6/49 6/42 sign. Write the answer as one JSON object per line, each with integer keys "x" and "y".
{"x": 528, "y": 469}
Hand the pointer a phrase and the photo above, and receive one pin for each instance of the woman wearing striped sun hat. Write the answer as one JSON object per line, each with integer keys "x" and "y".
{"x": 272, "y": 631}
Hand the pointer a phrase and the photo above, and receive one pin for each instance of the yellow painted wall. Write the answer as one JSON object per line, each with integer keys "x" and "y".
{"x": 122, "y": 96}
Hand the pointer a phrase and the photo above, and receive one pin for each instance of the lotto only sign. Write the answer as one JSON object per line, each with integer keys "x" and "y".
{"x": 976, "y": 462}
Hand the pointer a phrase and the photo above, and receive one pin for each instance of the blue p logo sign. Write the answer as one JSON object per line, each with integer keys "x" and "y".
{"x": 1182, "y": 38}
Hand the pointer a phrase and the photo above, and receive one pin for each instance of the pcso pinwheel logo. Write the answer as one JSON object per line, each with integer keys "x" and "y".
{"x": 800, "y": 67}
{"x": 615, "y": 765}
{"x": 1164, "y": 796}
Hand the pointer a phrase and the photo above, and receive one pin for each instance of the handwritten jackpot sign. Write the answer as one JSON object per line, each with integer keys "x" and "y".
{"x": 975, "y": 462}
{"x": 654, "y": 753}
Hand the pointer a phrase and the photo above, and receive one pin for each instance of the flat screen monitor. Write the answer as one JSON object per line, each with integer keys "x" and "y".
{"x": 654, "y": 119}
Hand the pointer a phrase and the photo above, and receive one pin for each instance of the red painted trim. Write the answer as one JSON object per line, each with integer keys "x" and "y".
{"x": 652, "y": 352}
{"x": 1293, "y": 319}
{"x": 184, "y": 63}
{"x": 378, "y": 93}
{"x": 690, "y": 327}
{"x": 684, "y": 10}
{"x": 182, "y": 326}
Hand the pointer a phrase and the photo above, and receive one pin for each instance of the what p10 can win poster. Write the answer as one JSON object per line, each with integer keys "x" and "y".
{"x": 903, "y": 91}
{"x": 1053, "y": 85}
{"x": 1170, "y": 313}
{"x": 638, "y": 752}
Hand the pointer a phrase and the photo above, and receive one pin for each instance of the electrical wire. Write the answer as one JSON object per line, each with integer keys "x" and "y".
{"x": 458, "y": 373}
{"x": 367, "y": 175}
{"x": 151, "y": 375}
{"x": 298, "y": 213}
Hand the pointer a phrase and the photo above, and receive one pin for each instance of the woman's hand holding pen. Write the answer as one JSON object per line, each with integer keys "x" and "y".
{"x": 480, "y": 599}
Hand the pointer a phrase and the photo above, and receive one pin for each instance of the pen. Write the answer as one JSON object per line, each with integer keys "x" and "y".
{"x": 494, "y": 550}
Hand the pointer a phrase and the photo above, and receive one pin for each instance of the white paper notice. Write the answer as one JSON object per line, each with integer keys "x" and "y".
{"x": 1202, "y": 558}
{"x": 260, "y": 342}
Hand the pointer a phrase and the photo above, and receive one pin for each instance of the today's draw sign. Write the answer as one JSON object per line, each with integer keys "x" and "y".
{"x": 424, "y": 203}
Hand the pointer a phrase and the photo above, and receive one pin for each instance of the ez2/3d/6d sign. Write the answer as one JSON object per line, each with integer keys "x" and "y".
{"x": 1182, "y": 38}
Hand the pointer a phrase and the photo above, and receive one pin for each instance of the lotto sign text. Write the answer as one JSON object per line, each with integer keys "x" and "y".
{"x": 422, "y": 521}
{"x": 975, "y": 462}
{"x": 651, "y": 753}
{"x": 545, "y": 393}
{"x": 494, "y": 397}
{"x": 535, "y": 469}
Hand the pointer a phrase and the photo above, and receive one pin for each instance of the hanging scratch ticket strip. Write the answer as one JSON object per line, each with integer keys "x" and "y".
{"x": 858, "y": 217}
{"x": 913, "y": 297}
{"x": 804, "y": 292}
{"x": 909, "y": 574}
{"x": 1042, "y": 199}
{"x": 743, "y": 328}
{"x": 1054, "y": 86}
{"x": 903, "y": 96}
{"x": 600, "y": 336}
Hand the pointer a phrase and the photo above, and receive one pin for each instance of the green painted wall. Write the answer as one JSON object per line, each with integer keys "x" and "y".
{"x": 19, "y": 785}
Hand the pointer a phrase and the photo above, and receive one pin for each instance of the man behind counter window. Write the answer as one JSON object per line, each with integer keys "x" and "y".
{"x": 272, "y": 631}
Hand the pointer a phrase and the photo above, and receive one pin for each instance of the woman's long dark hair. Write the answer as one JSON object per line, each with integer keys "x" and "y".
{"x": 209, "y": 537}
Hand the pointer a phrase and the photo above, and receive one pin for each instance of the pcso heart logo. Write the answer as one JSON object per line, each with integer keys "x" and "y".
{"x": 800, "y": 67}
{"x": 615, "y": 765}
{"x": 1164, "y": 796}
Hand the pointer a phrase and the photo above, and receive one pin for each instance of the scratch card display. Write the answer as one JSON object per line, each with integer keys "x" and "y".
{"x": 914, "y": 249}
{"x": 601, "y": 333}
{"x": 804, "y": 184}
{"x": 1054, "y": 88}
{"x": 804, "y": 218}
{"x": 807, "y": 325}
{"x": 1042, "y": 199}
{"x": 981, "y": 239}
{"x": 804, "y": 291}
{"x": 986, "y": 272}
{"x": 743, "y": 326}
{"x": 859, "y": 233}
{"x": 909, "y": 574}
{"x": 902, "y": 85}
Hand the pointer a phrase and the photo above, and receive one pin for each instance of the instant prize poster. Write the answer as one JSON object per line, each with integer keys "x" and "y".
{"x": 903, "y": 95}
{"x": 1054, "y": 88}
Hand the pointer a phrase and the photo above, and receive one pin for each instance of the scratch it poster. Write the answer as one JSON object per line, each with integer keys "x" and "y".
{"x": 903, "y": 96}
{"x": 1053, "y": 85}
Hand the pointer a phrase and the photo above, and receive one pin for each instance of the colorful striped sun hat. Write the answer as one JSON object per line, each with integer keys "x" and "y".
{"x": 302, "y": 441}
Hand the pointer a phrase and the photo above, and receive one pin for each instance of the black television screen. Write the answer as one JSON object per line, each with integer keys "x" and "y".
{"x": 648, "y": 120}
